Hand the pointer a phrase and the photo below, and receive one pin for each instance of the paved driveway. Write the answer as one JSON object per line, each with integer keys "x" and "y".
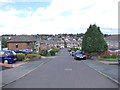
{"x": 63, "y": 72}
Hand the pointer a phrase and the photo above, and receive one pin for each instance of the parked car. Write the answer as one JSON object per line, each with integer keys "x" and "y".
{"x": 7, "y": 56}
{"x": 27, "y": 51}
{"x": 79, "y": 56}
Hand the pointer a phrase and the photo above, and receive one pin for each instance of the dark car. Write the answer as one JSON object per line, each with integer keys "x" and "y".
{"x": 26, "y": 51}
{"x": 79, "y": 56}
{"x": 7, "y": 56}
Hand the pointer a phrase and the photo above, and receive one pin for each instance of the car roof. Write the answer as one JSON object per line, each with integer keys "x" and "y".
{"x": 5, "y": 50}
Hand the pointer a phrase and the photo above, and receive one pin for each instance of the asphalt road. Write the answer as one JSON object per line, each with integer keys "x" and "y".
{"x": 63, "y": 72}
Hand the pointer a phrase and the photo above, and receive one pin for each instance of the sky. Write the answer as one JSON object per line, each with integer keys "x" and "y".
{"x": 57, "y": 16}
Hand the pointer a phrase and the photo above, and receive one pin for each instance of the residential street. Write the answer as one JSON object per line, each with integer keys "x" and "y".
{"x": 63, "y": 72}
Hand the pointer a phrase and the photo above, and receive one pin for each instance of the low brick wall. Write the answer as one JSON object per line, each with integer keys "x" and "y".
{"x": 6, "y": 65}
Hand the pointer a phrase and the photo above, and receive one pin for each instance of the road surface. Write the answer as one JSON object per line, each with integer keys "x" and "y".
{"x": 63, "y": 72}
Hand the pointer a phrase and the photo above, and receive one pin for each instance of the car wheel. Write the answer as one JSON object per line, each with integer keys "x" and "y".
{"x": 6, "y": 62}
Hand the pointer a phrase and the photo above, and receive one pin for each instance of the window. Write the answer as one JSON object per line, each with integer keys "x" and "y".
{"x": 28, "y": 44}
{"x": 16, "y": 45}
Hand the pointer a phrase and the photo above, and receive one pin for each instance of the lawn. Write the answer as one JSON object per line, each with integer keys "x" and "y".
{"x": 109, "y": 59}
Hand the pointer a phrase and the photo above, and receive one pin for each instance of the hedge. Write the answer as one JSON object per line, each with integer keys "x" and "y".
{"x": 20, "y": 56}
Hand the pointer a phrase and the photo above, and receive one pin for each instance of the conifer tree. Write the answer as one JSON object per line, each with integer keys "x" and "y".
{"x": 93, "y": 40}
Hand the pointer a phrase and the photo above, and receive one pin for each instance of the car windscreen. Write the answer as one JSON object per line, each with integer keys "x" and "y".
{"x": 1, "y": 53}
{"x": 8, "y": 53}
{"x": 79, "y": 53}
{"x": 13, "y": 52}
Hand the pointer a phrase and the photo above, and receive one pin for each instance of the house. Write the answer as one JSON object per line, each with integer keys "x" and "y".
{"x": 23, "y": 41}
{"x": 113, "y": 41}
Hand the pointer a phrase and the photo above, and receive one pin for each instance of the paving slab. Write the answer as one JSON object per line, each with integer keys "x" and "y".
{"x": 107, "y": 69}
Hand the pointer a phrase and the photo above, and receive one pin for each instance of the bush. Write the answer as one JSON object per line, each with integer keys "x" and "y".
{"x": 52, "y": 52}
{"x": 43, "y": 52}
{"x": 74, "y": 49}
{"x": 32, "y": 55}
{"x": 48, "y": 54}
{"x": 37, "y": 53}
{"x": 105, "y": 56}
{"x": 26, "y": 60}
{"x": 109, "y": 56}
{"x": 93, "y": 54}
{"x": 20, "y": 56}
{"x": 114, "y": 56}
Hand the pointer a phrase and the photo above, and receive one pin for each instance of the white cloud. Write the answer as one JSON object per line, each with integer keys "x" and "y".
{"x": 49, "y": 20}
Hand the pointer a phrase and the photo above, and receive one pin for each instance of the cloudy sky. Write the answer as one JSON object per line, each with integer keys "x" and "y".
{"x": 57, "y": 16}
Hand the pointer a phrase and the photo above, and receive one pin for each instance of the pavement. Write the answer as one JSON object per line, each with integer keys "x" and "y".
{"x": 106, "y": 68}
{"x": 12, "y": 74}
{"x": 109, "y": 62}
{"x": 61, "y": 71}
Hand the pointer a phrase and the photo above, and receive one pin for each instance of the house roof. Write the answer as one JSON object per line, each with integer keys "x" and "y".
{"x": 23, "y": 38}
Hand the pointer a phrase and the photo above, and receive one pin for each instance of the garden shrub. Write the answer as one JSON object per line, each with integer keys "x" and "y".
{"x": 105, "y": 56}
{"x": 48, "y": 54}
{"x": 74, "y": 49}
{"x": 20, "y": 56}
{"x": 43, "y": 52}
{"x": 31, "y": 55}
{"x": 26, "y": 60}
{"x": 114, "y": 56}
{"x": 93, "y": 54}
{"x": 52, "y": 52}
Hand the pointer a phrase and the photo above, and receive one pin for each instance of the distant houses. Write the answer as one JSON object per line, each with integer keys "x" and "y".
{"x": 36, "y": 43}
{"x": 32, "y": 42}
{"x": 113, "y": 41}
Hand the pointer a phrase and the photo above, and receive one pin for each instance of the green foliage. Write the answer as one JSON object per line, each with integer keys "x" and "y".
{"x": 4, "y": 42}
{"x": 114, "y": 56}
{"x": 33, "y": 47}
{"x": 93, "y": 54}
{"x": 31, "y": 55}
{"x": 26, "y": 60}
{"x": 43, "y": 52}
{"x": 109, "y": 59}
{"x": 65, "y": 44}
{"x": 20, "y": 56}
{"x": 52, "y": 52}
{"x": 109, "y": 56}
{"x": 74, "y": 49}
{"x": 48, "y": 54}
{"x": 56, "y": 49}
{"x": 93, "y": 40}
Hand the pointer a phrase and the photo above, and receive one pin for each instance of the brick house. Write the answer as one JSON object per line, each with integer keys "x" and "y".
{"x": 22, "y": 41}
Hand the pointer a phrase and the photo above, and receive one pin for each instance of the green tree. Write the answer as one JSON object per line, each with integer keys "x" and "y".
{"x": 4, "y": 42}
{"x": 65, "y": 44}
{"x": 93, "y": 40}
